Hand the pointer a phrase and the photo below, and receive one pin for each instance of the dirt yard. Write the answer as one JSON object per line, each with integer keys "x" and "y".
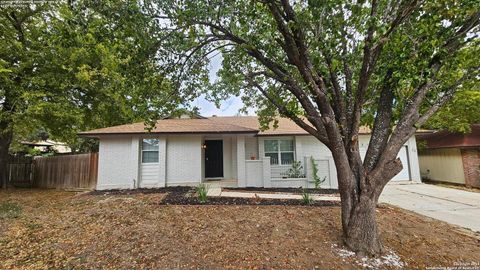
{"x": 52, "y": 230}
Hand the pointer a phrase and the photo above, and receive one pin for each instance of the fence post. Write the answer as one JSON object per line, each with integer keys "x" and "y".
{"x": 32, "y": 173}
{"x": 93, "y": 170}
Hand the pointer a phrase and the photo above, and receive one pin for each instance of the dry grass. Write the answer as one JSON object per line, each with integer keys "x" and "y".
{"x": 64, "y": 230}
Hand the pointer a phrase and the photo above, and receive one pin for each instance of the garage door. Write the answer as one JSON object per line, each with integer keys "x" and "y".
{"x": 405, "y": 173}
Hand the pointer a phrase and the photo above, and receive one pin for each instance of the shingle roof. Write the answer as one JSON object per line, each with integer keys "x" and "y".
{"x": 176, "y": 125}
{"x": 216, "y": 125}
{"x": 446, "y": 139}
{"x": 285, "y": 125}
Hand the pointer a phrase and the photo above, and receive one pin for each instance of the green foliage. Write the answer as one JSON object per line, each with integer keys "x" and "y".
{"x": 306, "y": 197}
{"x": 74, "y": 66}
{"x": 458, "y": 115}
{"x": 333, "y": 29}
{"x": 316, "y": 179}
{"x": 33, "y": 152}
{"x": 84, "y": 145}
{"x": 295, "y": 171}
{"x": 10, "y": 210}
{"x": 202, "y": 190}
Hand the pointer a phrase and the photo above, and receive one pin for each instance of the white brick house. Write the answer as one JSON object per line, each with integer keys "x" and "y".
{"x": 189, "y": 151}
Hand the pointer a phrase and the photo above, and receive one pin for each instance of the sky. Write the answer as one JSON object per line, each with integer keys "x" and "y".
{"x": 228, "y": 107}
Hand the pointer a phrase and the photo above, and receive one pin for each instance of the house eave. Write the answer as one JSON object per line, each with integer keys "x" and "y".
{"x": 97, "y": 135}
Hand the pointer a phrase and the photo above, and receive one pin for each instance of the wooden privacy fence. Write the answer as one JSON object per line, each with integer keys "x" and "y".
{"x": 20, "y": 171}
{"x": 66, "y": 172}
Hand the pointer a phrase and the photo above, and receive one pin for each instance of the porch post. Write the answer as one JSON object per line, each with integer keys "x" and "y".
{"x": 308, "y": 171}
{"x": 162, "y": 161}
{"x": 135, "y": 158}
{"x": 241, "y": 162}
{"x": 267, "y": 173}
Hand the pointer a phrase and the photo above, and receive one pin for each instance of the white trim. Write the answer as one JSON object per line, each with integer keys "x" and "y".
{"x": 142, "y": 150}
{"x": 134, "y": 155}
{"x": 162, "y": 161}
{"x": 290, "y": 179}
{"x": 241, "y": 161}
{"x": 279, "y": 150}
{"x": 182, "y": 184}
{"x": 114, "y": 186}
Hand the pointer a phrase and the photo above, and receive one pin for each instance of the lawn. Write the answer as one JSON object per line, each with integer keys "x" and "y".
{"x": 42, "y": 229}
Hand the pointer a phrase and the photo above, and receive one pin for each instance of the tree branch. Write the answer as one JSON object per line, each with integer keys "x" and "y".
{"x": 382, "y": 125}
{"x": 339, "y": 108}
{"x": 320, "y": 135}
{"x": 448, "y": 94}
{"x": 371, "y": 54}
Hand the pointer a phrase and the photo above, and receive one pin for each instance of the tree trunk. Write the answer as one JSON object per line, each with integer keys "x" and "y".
{"x": 361, "y": 234}
{"x": 360, "y": 230}
{"x": 5, "y": 140}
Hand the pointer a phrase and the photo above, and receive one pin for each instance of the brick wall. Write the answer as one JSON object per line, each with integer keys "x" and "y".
{"x": 471, "y": 166}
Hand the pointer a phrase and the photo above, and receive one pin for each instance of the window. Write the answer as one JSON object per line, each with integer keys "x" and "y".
{"x": 281, "y": 152}
{"x": 149, "y": 151}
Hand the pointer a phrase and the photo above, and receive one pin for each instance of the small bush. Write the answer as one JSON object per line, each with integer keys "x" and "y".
{"x": 306, "y": 197}
{"x": 9, "y": 210}
{"x": 296, "y": 171}
{"x": 202, "y": 191}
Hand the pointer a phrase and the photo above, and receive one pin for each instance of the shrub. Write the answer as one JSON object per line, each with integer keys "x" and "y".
{"x": 9, "y": 210}
{"x": 202, "y": 191}
{"x": 296, "y": 171}
{"x": 306, "y": 197}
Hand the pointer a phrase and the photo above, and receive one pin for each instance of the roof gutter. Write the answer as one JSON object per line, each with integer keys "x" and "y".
{"x": 96, "y": 135}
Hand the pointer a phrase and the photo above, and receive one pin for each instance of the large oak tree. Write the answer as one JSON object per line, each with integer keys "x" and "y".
{"x": 69, "y": 66}
{"x": 331, "y": 66}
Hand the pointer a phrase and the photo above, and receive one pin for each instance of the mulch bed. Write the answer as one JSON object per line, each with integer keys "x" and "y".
{"x": 177, "y": 189}
{"x": 187, "y": 196}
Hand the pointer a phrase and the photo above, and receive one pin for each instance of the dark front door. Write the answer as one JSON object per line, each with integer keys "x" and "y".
{"x": 213, "y": 158}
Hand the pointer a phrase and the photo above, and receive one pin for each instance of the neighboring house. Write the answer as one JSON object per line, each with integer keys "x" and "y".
{"x": 190, "y": 151}
{"x": 48, "y": 145}
{"x": 451, "y": 157}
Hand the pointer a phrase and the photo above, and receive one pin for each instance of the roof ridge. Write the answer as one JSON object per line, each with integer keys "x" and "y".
{"x": 235, "y": 125}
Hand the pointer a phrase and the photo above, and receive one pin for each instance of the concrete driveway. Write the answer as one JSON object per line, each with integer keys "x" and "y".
{"x": 454, "y": 206}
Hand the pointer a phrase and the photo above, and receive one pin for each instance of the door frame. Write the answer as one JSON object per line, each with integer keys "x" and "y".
{"x": 221, "y": 159}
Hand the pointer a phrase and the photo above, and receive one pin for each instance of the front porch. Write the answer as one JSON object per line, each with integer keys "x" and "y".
{"x": 260, "y": 173}
{"x": 233, "y": 160}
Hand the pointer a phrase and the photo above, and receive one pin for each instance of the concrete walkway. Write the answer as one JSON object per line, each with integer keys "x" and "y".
{"x": 284, "y": 196}
{"x": 454, "y": 206}
{"x": 214, "y": 191}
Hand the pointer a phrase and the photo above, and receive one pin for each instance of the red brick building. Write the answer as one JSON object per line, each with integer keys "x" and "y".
{"x": 451, "y": 157}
